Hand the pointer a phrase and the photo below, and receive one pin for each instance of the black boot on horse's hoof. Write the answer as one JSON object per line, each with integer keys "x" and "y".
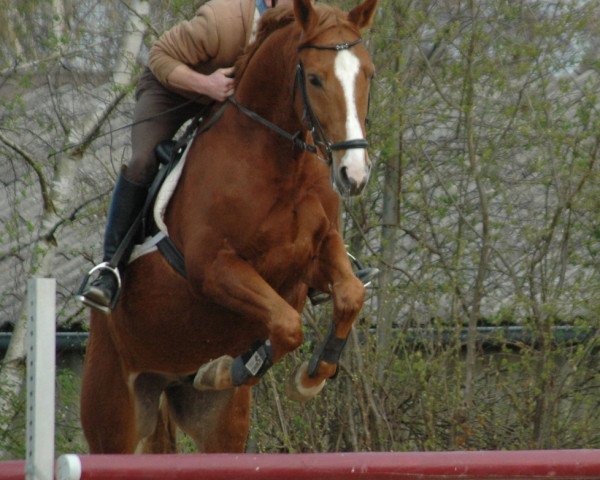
{"x": 365, "y": 275}
{"x": 102, "y": 293}
{"x": 127, "y": 201}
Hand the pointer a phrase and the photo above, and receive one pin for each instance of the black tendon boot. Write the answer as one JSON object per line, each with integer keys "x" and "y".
{"x": 127, "y": 200}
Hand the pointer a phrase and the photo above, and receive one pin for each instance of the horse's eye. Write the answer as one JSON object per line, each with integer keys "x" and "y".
{"x": 316, "y": 81}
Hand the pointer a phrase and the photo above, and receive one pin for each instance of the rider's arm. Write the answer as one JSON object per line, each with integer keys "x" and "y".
{"x": 188, "y": 44}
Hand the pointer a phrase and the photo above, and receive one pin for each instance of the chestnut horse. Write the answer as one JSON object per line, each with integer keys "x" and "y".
{"x": 255, "y": 216}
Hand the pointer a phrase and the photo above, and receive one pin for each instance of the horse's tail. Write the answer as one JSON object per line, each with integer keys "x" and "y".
{"x": 164, "y": 437}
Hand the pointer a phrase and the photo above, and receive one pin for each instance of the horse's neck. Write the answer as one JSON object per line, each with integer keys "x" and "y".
{"x": 268, "y": 86}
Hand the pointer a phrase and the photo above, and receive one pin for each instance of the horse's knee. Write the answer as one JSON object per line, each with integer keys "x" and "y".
{"x": 286, "y": 334}
{"x": 349, "y": 296}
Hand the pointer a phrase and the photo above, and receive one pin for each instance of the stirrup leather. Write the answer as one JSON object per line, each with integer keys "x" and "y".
{"x": 86, "y": 301}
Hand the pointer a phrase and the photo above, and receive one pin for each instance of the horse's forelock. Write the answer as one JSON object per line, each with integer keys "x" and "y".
{"x": 329, "y": 17}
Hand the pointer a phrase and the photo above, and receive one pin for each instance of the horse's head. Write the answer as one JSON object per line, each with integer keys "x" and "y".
{"x": 334, "y": 73}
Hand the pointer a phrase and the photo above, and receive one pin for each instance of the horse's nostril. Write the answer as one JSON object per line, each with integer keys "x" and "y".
{"x": 344, "y": 175}
{"x": 349, "y": 182}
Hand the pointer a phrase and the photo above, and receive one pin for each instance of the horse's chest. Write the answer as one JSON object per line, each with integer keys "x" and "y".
{"x": 292, "y": 233}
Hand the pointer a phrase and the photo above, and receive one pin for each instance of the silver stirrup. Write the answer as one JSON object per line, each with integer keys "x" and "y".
{"x": 370, "y": 272}
{"x": 101, "y": 266}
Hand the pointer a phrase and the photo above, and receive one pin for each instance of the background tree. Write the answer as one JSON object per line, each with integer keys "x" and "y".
{"x": 56, "y": 174}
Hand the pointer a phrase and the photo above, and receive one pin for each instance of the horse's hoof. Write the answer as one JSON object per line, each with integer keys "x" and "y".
{"x": 215, "y": 375}
{"x": 300, "y": 387}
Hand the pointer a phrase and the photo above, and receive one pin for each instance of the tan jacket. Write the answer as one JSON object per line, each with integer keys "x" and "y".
{"x": 213, "y": 39}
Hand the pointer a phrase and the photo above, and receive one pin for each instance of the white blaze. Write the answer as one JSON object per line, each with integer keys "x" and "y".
{"x": 347, "y": 67}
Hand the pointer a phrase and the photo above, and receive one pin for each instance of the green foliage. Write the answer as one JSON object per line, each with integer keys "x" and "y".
{"x": 68, "y": 434}
{"x": 488, "y": 112}
{"x": 418, "y": 405}
{"x": 12, "y": 440}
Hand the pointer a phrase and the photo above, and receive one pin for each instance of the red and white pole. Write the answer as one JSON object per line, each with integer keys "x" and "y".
{"x": 554, "y": 464}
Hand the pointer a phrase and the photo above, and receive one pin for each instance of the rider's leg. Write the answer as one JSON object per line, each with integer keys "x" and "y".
{"x": 158, "y": 115}
{"x": 127, "y": 200}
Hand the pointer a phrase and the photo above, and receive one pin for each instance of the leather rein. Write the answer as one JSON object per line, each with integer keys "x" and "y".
{"x": 313, "y": 124}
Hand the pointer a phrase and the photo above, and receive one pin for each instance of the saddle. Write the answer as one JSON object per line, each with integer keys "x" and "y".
{"x": 150, "y": 235}
{"x": 165, "y": 151}
{"x": 152, "y": 232}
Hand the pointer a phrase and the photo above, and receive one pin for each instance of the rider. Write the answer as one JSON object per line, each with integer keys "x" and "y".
{"x": 191, "y": 61}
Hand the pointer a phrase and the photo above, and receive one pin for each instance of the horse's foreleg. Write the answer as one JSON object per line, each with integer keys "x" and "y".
{"x": 233, "y": 283}
{"x": 348, "y": 295}
{"x": 107, "y": 410}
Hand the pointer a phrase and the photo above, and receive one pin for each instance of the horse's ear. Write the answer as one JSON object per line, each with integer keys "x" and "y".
{"x": 362, "y": 16}
{"x": 305, "y": 14}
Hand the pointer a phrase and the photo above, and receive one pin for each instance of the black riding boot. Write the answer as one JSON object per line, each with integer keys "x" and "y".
{"x": 127, "y": 200}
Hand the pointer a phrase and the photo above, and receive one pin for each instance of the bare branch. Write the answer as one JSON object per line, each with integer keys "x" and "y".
{"x": 28, "y": 158}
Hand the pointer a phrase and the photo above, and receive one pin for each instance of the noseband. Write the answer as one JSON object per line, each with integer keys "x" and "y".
{"x": 313, "y": 123}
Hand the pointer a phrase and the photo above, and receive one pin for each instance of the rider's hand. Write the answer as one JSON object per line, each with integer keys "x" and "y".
{"x": 218, "y": 85}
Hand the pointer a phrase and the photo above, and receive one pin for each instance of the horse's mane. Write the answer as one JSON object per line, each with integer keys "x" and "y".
{"x": 277, "y": 18}
{"x": 271, "y": 21}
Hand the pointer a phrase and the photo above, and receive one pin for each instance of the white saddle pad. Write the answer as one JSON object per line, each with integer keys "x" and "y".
{"x": 160, "y": 207}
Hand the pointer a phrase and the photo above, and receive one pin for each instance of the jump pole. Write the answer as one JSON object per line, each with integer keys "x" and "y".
{"x": 556, "y": 464}
{"x": 41, "y": 374}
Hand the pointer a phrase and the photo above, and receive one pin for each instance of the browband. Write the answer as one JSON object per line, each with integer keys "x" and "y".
{"x": 336, "y": 46}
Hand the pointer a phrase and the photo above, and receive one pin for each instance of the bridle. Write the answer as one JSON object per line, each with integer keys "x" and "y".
{"x": 313, "y": 124}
